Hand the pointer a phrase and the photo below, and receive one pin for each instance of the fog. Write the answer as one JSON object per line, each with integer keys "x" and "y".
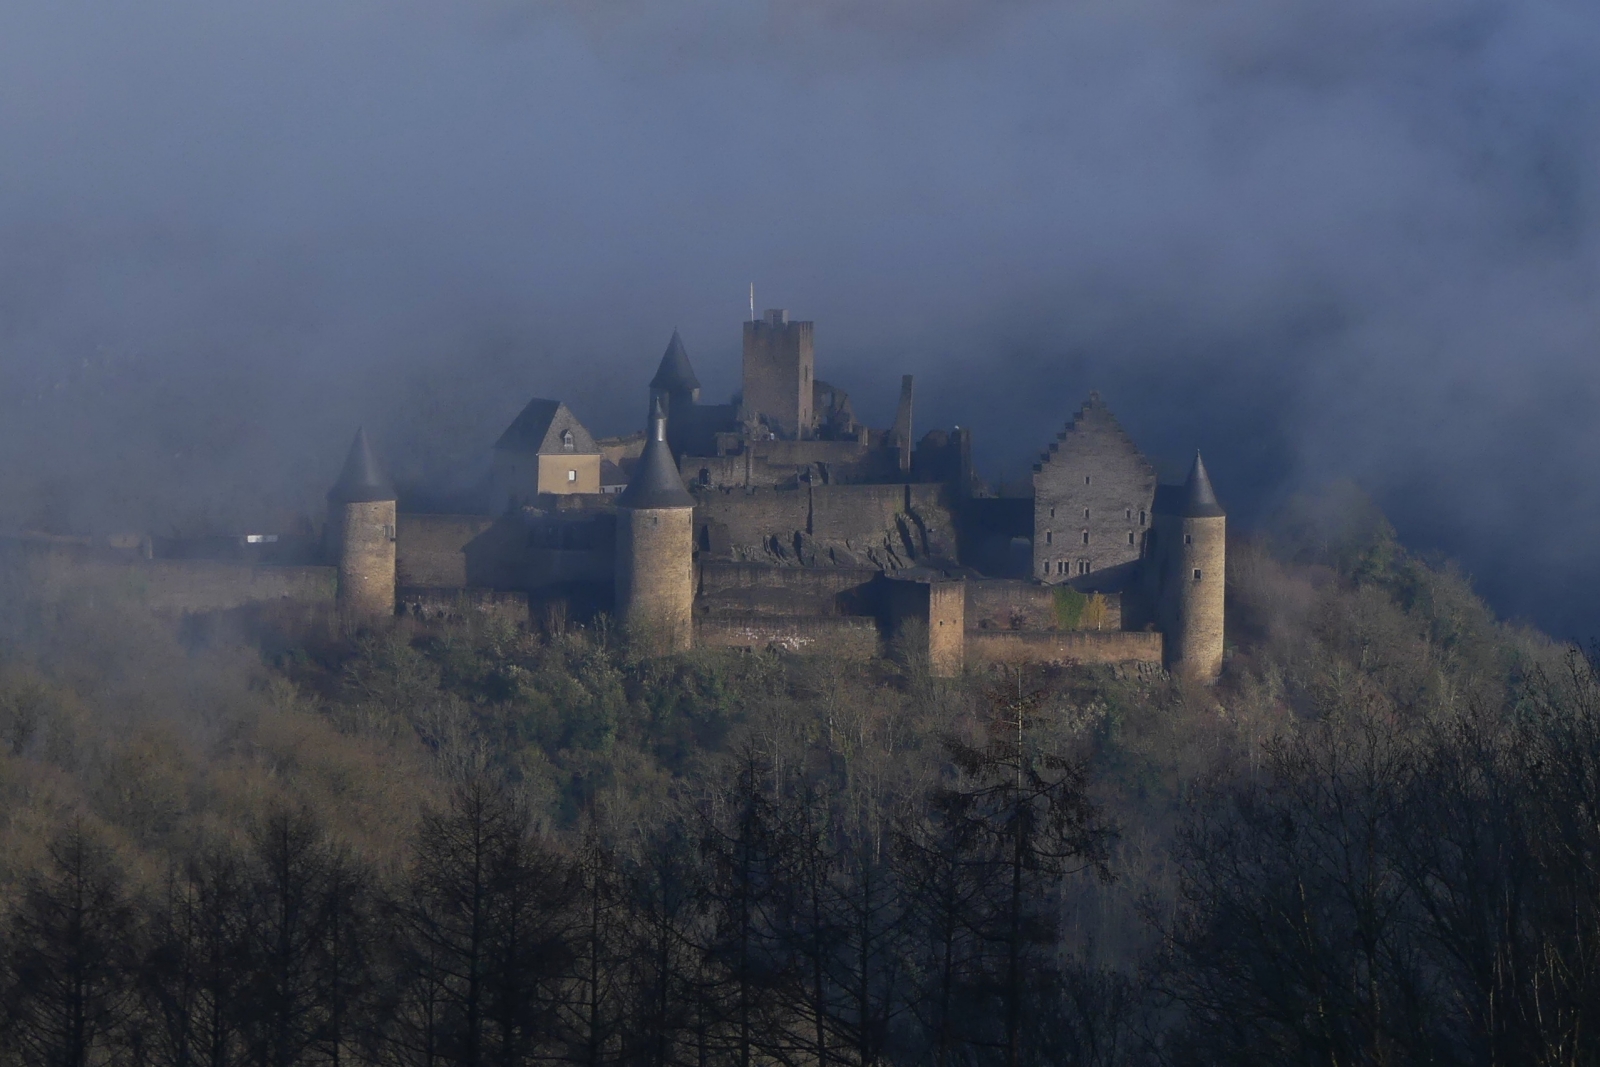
{"x": 1315, "y": 240}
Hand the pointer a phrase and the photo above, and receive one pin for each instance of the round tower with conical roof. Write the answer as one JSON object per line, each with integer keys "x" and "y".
{"x": 679, "y": 392}
{"x": 361, "y": 525}
{"x": 655, "y": 547}
{"x": 1191, "y": 547}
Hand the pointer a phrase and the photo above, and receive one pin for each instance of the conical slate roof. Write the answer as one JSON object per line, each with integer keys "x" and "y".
{"x": 1199, "y": 499}
{"x": 656, "y": 482}
{"x": 362, "y": 479}
{"x": 675, "y": 375}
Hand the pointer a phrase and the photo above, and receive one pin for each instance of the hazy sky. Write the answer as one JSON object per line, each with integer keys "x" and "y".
{"x": 1351, "y": 237}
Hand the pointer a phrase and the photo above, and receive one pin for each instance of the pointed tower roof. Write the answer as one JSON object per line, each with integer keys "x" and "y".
{"x": 675, "y": 375}
{"x": 656, "y": 482}
{"x": 362, "y": 479}
{"x": 1199, "y": 499}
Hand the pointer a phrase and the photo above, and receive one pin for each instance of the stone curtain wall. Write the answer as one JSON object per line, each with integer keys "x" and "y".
{"x": 430, "y": 550}
{"x": 843, "y": 636}
{"x": 169, "y": 585}
{"x": 988, "y": 647}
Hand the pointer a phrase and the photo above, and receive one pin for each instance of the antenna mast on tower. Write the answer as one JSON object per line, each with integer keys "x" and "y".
{"x": 752, "y": 301}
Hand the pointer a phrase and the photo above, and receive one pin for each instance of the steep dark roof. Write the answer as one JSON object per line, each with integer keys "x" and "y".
{"x": 538, "y": 430}
{"x": 362, "y": 479}
{"x": 1199, "y": 499}
{"x": 611, "y": 474}
{"x": 675, "y": 375}
{"x": 1194, "y": 499}
{"x": 656, "y": 482}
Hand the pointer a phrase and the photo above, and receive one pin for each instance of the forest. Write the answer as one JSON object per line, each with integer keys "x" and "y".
{"x": 261, "y": 839}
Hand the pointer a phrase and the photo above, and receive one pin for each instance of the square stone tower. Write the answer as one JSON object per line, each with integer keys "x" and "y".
{"x": 778, "y": 369}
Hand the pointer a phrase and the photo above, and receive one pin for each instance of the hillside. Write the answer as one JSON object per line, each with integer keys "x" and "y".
{"x": 255, "y": 838}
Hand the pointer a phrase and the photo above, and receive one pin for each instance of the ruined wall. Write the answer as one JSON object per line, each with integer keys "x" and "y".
{"x": 430, "y": 550}
{"x": 886, "y": 527}
{"x": 988, "y": 647}
{"x": 764, "y": 589}
{"x": 1005, "y": 604}
{"x": 839, "y": 636}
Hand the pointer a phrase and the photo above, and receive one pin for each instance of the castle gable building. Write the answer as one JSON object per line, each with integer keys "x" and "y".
{"x": 545, "y": 450}
{"x": 1093, "y": 491}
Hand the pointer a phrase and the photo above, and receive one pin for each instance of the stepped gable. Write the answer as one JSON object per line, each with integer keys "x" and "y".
{"x": 656, "y": 482}
{"x": 362, "y": 480}
{"x": 675, "y": 375}
{"x": 1193, "y": 499}
{"x": 539, "y": 429}
{"x": 1093, "y": 417}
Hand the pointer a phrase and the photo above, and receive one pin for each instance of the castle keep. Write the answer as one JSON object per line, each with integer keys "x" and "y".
{"x": 776, "y": 520}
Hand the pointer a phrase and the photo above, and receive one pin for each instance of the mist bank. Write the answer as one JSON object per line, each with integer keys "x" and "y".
{"x": 1334, "y": 240}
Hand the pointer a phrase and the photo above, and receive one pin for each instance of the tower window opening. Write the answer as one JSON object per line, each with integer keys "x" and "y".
{"x": 1086, "y": 513}
{"x": 1086, "y": 537}
{"x": 1197, "y": 574}
{"x": 1047, "y": 537}
{"x": 1130, "y": 513}
{"x": 1052, "y": 513}
{"x": 1047, "y": 567}
{"x": 1086, "y": 479}
{"x": 1188, "y": 539}
{"x": 1130, "y": 537}
{"x": 1141, "y": 518}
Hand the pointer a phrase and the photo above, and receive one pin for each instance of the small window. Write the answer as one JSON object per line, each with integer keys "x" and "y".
{"x": 1061, "y": 568}
{"x": 566, "y": 441}
{"x": 1086, "y": 537}
{"x": 1085, "y": 479}
{"x": 1130, "y": 514}
{"x": 1047, "y": 568}
{"x": 1047, "y": 537}
{"x": 1141, "y": 518}
{"x": 572, "y": 476}
{"x": 1188, "y": 539}
{"x": 1052, "y": 513}
{"x": 1085, "y": 513}
{"x": 1130, "y": 537}
{"x": 1197, "y": 574}
{"x": 1083, "y": 566}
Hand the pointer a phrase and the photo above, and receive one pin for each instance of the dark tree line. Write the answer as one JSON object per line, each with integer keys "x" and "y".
{"x": 787, "y": 917}
{"x": 1393, "y": 894}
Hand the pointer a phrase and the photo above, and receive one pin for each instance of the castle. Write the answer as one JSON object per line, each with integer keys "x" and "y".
{"x": 776, "y": 520}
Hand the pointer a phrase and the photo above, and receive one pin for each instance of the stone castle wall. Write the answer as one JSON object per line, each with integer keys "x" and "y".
{"x": 848, "y": 637}
{"x": 880, "y": 526}
{"x": 430, "y": 550}
{"x": 1013, "y": 647}
{"x": 167, "y": 585}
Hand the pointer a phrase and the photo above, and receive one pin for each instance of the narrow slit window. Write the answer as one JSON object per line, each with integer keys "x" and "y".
{"x": 1047, "y": 537}
{"x": 1141, "y": 518}
{"x": 1085, "y": 513}
{"x": 1197, "y": 574}
{"x": 1130, "y": 537}
{"x": 1130, "y": 514}
{"x": 1086, "y": 537}
{"x": 1188, "y": 539}
{"x": 1086, "y": 479}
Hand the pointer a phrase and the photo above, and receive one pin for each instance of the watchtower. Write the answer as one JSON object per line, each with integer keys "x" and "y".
{"x": 655, "y": 547}
{"x": 1191, "y": 557}
{"x": 778, "y": 368}
{"x": 361, "y": 522}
